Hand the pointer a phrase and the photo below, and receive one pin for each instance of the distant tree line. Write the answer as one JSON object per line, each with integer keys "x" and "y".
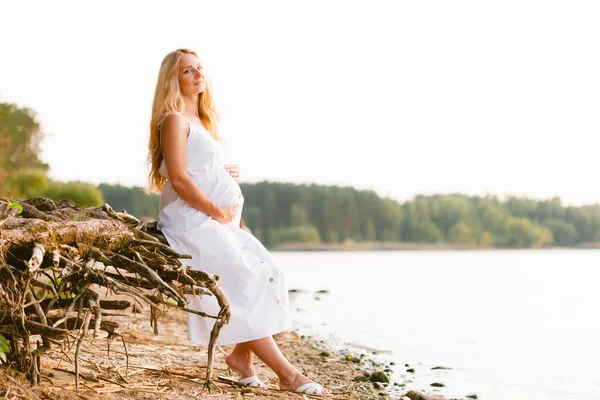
{"x": 285, "y": 212}
{"x": 280, "y": 211}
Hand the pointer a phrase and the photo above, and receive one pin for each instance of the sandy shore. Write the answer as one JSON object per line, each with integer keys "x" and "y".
{"x": 168, "y": 366}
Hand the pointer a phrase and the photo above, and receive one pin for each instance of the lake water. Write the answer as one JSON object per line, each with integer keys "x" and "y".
{"x": 509, "y": 324}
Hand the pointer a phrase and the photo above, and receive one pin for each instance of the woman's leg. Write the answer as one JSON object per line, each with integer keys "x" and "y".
{"x": 289, "y": 377}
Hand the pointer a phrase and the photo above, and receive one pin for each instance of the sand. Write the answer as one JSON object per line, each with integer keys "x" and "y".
{"x": 168, "y": 366}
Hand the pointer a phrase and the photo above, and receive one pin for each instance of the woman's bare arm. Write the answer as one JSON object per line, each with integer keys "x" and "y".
{"x": 175, "y": 130}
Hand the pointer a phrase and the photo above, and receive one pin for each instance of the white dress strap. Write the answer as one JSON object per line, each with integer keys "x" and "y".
{"x": 159, "y": 132}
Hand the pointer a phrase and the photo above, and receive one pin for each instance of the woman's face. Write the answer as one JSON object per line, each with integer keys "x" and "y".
{"x": 191, "y": 76}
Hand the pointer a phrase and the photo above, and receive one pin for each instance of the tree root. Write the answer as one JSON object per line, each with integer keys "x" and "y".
{"x": 51, "y": 255}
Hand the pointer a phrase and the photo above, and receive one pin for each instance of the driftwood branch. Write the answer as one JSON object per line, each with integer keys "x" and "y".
{"x": 52, "y": 255}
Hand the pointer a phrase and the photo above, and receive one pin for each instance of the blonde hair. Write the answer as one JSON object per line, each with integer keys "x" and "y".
{"x": 168, "y": 98}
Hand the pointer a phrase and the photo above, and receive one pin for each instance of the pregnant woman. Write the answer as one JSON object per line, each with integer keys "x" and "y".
{"x": 200, "y": 210}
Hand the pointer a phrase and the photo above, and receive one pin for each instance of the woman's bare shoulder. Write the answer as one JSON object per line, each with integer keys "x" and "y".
{"x": 175, "y": 124}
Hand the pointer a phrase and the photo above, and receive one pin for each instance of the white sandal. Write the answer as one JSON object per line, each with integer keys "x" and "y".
{"x": 311, "y": 388}
{"x": 251, "y": 381}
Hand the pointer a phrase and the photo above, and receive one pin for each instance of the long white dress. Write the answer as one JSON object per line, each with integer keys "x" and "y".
{"x": 248, "y": 275}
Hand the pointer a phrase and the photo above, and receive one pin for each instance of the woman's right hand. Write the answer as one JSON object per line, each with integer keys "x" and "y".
{"x": 226, "y": 214}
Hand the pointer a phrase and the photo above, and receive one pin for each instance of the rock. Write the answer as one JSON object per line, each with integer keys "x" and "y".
{"x": 406, "y": 365}
{"x": 323, "y": 291}
{"x": 325, "y": 354}
{"x": 317, "y": 298}
{"x": 411, "y": 370}
{"x": 360, "y": 379}
{"x": 294, "y": 291}
{"x": 472, "y": 396}
{"x": 352, "y": 358}
{"x": 392, "y": 363}
{"x": 377, "y": 385}
{"x": 387, "y": 370}
{"x": 440, "y": 367}
{"x": 379, "y": 376}
{"x": 366, "y": 373}
{"x": 437, "y": 384}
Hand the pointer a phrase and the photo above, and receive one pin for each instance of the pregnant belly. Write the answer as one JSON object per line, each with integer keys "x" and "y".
{"x": 221, "y": 188}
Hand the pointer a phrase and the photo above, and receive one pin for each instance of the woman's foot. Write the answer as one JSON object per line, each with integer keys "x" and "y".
{"x": 241, "y": 363}
{"x": 298, "y": 380}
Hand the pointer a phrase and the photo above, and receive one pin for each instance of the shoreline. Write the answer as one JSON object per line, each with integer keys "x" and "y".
{"x": 411, "y": 246}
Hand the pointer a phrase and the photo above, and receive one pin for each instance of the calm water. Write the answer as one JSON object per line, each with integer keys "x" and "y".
{"x": 510, "y": 324}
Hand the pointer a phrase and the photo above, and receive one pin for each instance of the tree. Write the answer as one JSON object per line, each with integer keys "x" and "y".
{"x": 302, "y": 234}
{"x": 461, "y": 233}
{"x": 82, "y": 194}
{"x": 132, "y": 199}
{"x": 564, "y": 233}
{"x": 522, "y": 233}
{"x": 299, "y": 216}
{"x": 20, "y": 139}
{"x": 448, "y": 211}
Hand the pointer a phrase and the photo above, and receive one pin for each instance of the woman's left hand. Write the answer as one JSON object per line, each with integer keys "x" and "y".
{"x": 233, "y": 170}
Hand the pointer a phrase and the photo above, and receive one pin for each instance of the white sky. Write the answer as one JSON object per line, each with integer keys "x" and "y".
{"x": 403, "y": 97}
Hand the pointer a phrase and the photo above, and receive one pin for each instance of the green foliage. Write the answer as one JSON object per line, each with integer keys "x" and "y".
{"x": 370, "y": 234}
{"x": 448, "y": 211}
{"x": 30, "y": 183}
{"x": 133, "y": 200}
{"x": 82, "y": 194}
{"x": 303, "y": 234}
{"x": 427, "y": 232}
{"x": 331, "y": 237}
{"x": 564, "y": 233}
{"x": 339, "y": 213}
{"x": 522, "y": 233}
{"x": 4, "y": 348}
{"x": 299, "y": 216}
{"x": 462, "y": 233}
{"x": 14, "y": 204}
{"x": 20, "y": 138}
